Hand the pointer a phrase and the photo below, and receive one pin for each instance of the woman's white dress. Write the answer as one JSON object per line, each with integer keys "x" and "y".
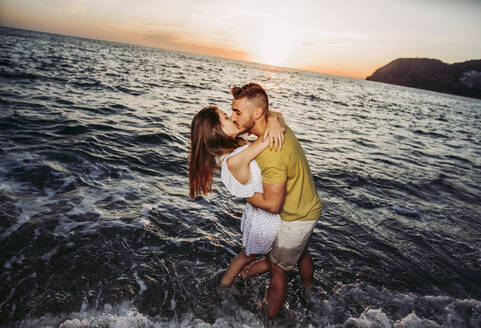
{"x": 259, "y": 228}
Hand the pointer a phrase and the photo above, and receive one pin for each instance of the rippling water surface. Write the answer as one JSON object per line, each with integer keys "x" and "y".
{"x": 97, "y": 229}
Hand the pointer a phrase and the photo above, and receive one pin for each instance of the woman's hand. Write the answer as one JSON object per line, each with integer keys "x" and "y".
{"x": 275, "y": 130}
{"x": 261, "y": 142}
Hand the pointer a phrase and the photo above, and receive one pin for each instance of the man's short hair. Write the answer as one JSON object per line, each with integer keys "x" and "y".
{"x": 254, "y": 92}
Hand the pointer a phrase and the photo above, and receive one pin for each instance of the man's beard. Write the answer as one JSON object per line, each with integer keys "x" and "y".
{"x": 245, "y": 128}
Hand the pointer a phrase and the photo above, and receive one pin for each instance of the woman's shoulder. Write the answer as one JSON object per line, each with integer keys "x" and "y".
{"x": 236, "y": 151}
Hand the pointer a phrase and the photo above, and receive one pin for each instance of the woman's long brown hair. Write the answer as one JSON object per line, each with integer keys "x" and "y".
{"x": 207, "y": 142}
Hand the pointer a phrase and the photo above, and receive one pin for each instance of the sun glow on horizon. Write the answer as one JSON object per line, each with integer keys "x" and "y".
{"x": 275, "y": 43}
{"x": 348, "y": 38}
{"x": 272, "y": 52}
{"x": 272, "y": 56}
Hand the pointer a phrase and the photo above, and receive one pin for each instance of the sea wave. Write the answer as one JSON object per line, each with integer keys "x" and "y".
{"x": 97, "y": 227}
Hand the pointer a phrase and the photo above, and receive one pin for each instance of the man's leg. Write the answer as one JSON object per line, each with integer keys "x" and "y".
{"x": 255, "y": 268}
{"x": 306, "y": 270}
{"x": 276, "y": 293}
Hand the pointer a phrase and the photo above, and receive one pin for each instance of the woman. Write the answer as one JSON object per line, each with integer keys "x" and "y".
{"x": 215, "y": 144}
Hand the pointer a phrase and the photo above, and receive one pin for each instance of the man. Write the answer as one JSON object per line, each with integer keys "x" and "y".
{"x": 289, "y": 190}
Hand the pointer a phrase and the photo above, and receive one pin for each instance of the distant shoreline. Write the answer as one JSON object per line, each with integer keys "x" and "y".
{"x": 463, "y": 79}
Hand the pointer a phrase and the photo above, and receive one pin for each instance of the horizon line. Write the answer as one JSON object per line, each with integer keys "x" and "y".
{"x": 185, "y": 52}
{"x": 227, "y": 58}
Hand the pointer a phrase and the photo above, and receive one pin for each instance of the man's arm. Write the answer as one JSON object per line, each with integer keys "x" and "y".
{"x": 272, "y": 199}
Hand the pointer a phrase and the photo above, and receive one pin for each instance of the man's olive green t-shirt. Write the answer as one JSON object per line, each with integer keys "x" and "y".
{"x": 290, "y": 165}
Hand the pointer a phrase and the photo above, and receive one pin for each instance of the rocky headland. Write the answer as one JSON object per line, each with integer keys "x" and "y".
{"x": 462, "y": 79}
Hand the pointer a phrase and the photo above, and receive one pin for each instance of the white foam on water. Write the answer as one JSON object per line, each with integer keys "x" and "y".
{"x": 92, "y": 199}
{"x": 152, "y": 249}
{"x": 94, "y": 171}
{"x": 124, "y": 316}
{"x": 87, "y": 204}
{"x": 85, "y": 200}
{"x": 6, "y": 186}
{"x": 140, "y": 282}
{"x": 370, "y": 319}
{"x": 413, "y": 321}
{"x": 29, "y": 204}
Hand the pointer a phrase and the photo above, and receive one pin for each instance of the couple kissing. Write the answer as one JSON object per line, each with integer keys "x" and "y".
{"x": 272, "y": 175}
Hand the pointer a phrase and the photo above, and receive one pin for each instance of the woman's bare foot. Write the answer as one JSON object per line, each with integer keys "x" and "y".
{"x": 235, "y": 267}
{"x": 245, "y": 272}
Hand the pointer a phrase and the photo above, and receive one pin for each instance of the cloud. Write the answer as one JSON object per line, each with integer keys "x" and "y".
{"x": 187, "y": 42}
{"x": 168, "y": 37}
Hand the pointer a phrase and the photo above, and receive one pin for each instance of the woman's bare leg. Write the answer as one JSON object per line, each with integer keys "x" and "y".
{"x": 255, "y": 268}
{"x": 235, "y": 266}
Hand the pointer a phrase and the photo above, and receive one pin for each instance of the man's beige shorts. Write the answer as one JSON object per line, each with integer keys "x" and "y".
{"x": 290, "y": 243}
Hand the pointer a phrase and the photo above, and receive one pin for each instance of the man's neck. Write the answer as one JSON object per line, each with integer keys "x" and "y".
{"x": 259, "y": 127}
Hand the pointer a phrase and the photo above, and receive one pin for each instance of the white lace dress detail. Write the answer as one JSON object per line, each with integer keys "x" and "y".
{"x": 259, "y": 228}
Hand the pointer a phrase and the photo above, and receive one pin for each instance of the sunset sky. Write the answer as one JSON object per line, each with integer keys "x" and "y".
{"x": 348, "y": 38}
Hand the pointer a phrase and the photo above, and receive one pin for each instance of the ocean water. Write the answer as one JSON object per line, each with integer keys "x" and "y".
{"x": 97, "y": 228}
